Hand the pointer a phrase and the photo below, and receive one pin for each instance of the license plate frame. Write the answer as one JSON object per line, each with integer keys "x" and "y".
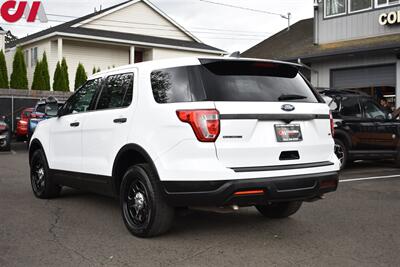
{"x": 288, "y": 133}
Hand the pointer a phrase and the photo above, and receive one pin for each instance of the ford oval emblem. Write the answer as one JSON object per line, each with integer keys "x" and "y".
{"x": 287, "y": 107}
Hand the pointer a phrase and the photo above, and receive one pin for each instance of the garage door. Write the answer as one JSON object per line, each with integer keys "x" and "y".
{"x": 364, "y": 77}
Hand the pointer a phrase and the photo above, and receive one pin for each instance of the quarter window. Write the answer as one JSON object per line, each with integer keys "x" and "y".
{"x": 350, "y": 107}
{"x": 359, "y": 5}
{"x": 335, "y": 7}
{"x": 82, "y": 100}
{"x": 117, "y": 92}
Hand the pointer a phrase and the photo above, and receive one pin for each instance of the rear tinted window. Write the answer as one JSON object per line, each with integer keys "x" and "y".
{"x": 231, "y": 81}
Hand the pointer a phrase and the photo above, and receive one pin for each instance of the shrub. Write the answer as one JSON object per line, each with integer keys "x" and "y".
{"x": 3, "y": 71}
{"x": 64, "y": 69}
{"x": 19, "y": 79}
{"x": 80, "y": 76}
{"x": 59, "y": 83}
{"x": 45, "y": 73}
{"x": 37, "y": 83}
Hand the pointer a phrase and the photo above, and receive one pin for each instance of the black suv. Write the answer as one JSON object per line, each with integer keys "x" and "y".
{"x": 363, "y": 129}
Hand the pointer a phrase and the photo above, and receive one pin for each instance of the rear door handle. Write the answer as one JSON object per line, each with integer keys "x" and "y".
{"x": 74, "y": 124}
{"x": 120, "y": 120}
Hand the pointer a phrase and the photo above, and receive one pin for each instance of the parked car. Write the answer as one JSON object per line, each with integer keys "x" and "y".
{"x": 217, "y": 132}
{"x": 5, "y": 135}
{"x": 21, "y": 131}
{"x": 44, "y": 109}
{"x": 363, "y": 129}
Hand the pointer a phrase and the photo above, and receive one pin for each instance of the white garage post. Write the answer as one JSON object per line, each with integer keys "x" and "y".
{"x": 132, "y": 55}
{"x": 398, "y": 83}
{"x": 59, "y": 49}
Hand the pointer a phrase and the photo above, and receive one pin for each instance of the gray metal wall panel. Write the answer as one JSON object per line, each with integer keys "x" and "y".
{"x": 364, "y": 77}
{"x": 354, "y": 26}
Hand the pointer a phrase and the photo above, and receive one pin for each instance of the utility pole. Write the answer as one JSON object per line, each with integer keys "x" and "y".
{"x": 287, "y": 17}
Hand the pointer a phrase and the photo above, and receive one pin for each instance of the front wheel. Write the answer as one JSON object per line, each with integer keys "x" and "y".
{"x": 279, "y": 209}
{"x": 42, "y": 184}
{"x": 144, "y": 211}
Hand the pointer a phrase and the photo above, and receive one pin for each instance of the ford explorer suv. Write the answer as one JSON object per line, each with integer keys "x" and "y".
{"x": 190, "y": 132}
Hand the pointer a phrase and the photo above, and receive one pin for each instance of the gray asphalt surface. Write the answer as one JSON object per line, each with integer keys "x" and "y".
{"x": 359, "y": 225}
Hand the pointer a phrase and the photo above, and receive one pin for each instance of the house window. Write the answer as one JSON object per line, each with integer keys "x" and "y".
{"x": 381, "y": 3}
{"x": 335, "y": 7}
{"x": 34, "y": 56}
{"x": 359, "y": 5}
{"x": 26, "y": 57}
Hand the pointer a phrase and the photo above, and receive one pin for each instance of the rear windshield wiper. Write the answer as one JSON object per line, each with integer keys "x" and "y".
{"x": 291, "y": 97}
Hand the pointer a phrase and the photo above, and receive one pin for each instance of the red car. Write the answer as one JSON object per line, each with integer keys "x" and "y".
{"x": 21, "y": 131}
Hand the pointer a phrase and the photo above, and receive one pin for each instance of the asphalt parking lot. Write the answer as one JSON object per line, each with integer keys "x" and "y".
{"x": 359, "y": 225}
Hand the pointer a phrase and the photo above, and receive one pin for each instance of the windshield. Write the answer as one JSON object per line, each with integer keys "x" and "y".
{"x": 231, "y": 81}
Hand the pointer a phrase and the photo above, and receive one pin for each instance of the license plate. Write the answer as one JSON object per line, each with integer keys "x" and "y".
{"x": 288, "y": 133}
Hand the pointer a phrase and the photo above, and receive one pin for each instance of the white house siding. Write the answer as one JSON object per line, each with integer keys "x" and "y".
{"x": 162, "y": 53}
{"x": 92, "y": 55}
{"x": 138, "y": 18}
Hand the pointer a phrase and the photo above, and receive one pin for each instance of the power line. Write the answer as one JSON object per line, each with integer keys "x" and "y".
{"x": 246, "y": 8}
{"x": 204, "y": 37}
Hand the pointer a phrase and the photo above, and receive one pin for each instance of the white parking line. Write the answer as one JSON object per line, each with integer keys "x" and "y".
{"x": 369, "y": 178}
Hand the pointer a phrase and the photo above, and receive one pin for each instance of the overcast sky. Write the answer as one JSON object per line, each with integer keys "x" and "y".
{"x": 220, "y": 26}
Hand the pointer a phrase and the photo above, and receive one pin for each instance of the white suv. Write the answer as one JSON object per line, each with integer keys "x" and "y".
{"x": 190, "y": 132}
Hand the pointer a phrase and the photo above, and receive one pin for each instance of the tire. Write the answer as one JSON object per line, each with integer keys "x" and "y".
{"x": 397, "y": 160}
{"x": 341, "y": 152}
{"x": 42, "y": 185}
{"x": 144, "y": 211}
{"x": 279, "y": 210}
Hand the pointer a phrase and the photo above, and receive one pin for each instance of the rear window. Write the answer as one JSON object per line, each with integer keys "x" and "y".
{"x": 231, "y": 81}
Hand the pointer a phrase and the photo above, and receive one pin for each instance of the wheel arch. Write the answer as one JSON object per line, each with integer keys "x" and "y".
{"x": 127, "y": 156}
{"x": 344, "y": 137}
{"x": 35, "y": 145}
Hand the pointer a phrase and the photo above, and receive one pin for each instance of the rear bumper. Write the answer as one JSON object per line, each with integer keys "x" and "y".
{"x": 276, "y": 189}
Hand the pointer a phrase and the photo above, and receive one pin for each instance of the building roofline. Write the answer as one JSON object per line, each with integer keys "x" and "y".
{"x": 201, "y": 47}
{"x": 67, "y": 26}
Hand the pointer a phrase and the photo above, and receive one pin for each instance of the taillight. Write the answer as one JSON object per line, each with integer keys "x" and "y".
{"x": 2, "y": 127}
{"x": 204, "y": 122}
{"x": 332, "y": 124}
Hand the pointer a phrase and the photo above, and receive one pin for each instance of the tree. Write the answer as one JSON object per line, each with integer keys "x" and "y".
{"x": 37, "y": 83}
{"x": 19, "y": 79}
{"x": 64, "y": 69}
{"x": 94, "y": 70}
{"x": 98, "y": 69}
{"x": 59, "y": 83}
{"x": 45, "y": 73}
{"x": 80, "y": 76}
{"x": 3, "y": 71}
{"x": 9, "y": 37}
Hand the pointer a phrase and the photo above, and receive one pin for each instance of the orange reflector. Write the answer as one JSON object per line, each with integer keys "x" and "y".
{"x": 250, "y": 192}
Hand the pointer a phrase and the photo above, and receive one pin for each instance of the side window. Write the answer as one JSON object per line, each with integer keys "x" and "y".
{"x": 171, "y": 85}
{"x": 82, "y": 99}
{"x": 372, "y": 111}
{"x": 117, "y": 92}
{"x": 350, "y": 107}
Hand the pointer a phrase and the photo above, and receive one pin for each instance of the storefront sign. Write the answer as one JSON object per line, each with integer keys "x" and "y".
{"x": 389, "y": 18}
{"x": 12, "y": 11}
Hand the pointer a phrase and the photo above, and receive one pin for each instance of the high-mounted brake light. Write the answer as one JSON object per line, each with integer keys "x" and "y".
{"x": 332, "y": 124}
{"x": 205, "y": 123}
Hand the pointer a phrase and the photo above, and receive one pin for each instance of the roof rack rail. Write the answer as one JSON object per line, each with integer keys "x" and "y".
{"x": 342, "y": 92}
